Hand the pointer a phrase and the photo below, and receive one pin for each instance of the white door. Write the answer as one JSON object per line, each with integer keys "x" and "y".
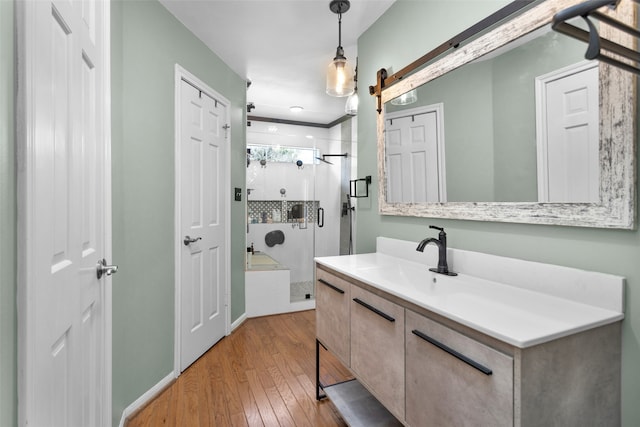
{"x": 203, "y": 139}
{"x": 568, "y": 135}
{"x": 64, "y": 190}
{"x": 414, "y": 151}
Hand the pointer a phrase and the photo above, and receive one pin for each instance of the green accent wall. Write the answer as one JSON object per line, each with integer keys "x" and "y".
{"x": 147, "y": 42}
{"x": 405, "y": 32}
{"x": 8, "y": 358}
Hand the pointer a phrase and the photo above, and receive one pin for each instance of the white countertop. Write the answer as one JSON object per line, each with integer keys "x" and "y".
{"x": 518, "y": 316}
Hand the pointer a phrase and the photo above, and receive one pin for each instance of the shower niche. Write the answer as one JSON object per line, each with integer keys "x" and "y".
{"x": 295, "y": 212}
{"x": 295, "y": 196}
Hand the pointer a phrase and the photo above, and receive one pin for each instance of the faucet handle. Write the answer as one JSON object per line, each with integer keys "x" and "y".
{"x": 442, "y": 235}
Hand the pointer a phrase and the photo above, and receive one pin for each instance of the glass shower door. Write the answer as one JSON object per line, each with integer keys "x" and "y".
{"x": 281, "y": 213}
{"x": 302, "y": 217}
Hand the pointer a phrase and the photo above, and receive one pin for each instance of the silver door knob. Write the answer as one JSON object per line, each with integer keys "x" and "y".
{"x": 189, "y": 240}
{"x": 102, "y": 269}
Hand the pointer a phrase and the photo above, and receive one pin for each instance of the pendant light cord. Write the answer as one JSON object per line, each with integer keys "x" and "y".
{"x": 340, "y": 29}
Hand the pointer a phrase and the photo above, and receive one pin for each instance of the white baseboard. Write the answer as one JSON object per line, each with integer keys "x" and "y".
{"x": 239, "y": 321}
{"x": 147, "y": 397}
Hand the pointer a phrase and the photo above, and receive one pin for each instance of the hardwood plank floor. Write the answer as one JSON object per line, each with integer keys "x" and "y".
{"x": 263, "y": 374}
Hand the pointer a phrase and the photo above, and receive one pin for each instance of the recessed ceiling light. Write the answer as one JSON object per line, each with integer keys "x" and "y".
{"x": 272, "y": 128}
{"x": 295, "y": 109}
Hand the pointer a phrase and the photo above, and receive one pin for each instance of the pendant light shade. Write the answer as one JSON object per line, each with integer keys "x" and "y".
{"x": 351, "y": 107}
{"x": 406, "y": 98}
{"x": 340, "y": 80}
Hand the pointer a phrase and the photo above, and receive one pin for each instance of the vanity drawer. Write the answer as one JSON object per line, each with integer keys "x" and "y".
{"x": 453, "y": 380}
{"x": 332, "y": 314}
{"x": 377, "y": 347}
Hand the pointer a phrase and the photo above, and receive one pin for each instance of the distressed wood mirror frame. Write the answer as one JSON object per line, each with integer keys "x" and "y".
{"x": 616, "y": 208}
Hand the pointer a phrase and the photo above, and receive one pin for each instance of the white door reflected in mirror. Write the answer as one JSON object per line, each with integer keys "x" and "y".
{"x": 415, "y": 155}
{"x": 567, "y": 117}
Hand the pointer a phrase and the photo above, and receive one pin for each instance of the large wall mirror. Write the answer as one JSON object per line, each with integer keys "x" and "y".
{"x": 514, "y": 126}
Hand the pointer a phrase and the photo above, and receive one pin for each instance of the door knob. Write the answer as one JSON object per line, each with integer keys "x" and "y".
{"x": 102, "y": 269}
{"x": 189, "y": 240}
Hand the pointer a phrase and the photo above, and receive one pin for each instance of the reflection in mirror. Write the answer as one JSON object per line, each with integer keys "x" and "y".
{"x": 567, "y": 134}
{"x": 414, "y": 153}
{"x": 487, "y": 113}
{"x": 515, "y": 126}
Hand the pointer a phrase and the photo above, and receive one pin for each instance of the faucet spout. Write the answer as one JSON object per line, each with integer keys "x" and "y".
{"x": 426, "y": 241}
{"x": 441, "y": 243}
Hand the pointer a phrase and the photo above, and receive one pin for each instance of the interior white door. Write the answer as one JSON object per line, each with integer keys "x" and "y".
{"x": 64, "y": 326}
{"x": 568, "y": 135}
{"x": 414, "y": 153}
{"x": 203, "y": 150}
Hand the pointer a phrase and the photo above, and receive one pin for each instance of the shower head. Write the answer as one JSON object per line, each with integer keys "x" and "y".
{"x": 330, "y": 155}
{"x": 323, "y": 160}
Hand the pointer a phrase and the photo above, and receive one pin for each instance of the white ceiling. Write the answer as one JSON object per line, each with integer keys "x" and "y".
{"x": 282, "y": 46}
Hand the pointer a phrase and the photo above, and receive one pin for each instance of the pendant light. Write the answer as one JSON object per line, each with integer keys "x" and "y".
{"x": 351, "y": 107}
{"x": 339, "y": 74}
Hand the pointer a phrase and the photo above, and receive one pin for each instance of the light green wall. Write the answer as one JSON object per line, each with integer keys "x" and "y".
{"x": 410, "y": 29}
{"x": 468, "y": 131}
{"x": 147, "y": 41}
{"x": 8, "y": 364}
{"x": 468, "y": 135}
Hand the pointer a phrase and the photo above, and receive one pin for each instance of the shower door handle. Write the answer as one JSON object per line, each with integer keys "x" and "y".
{"x": 320, "y": 217}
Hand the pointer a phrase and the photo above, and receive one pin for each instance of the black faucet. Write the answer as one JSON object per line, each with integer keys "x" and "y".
{"x": 441, "y": 243}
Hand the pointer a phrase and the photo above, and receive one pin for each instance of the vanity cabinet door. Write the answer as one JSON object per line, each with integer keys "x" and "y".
{"x": 332, "y": 314}
{"x": 377, "y": 347}
{"x": 453, "y": 380}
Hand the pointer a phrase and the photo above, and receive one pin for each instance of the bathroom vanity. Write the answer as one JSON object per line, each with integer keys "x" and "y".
{"x": 505, "y": 343}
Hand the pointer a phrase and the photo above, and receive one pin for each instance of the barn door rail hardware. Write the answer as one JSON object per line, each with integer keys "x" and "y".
{"x": 384, "y": 80}
{"x": 596, "y": 44}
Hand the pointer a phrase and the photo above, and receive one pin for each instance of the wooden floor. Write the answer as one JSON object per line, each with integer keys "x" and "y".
{"x": 263, "y": 374}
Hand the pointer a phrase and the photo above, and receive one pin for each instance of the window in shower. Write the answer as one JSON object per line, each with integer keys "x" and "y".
{"x": 282, "y": 154}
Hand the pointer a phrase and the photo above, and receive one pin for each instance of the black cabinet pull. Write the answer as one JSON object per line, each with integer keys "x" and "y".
{"x": 375, "y": 310}
{"x": 454, "y": 353}
{"x": 335, "y": 288}
{"x": 320, "y": 217}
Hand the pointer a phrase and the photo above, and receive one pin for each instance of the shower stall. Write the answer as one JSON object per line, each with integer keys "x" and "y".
{"x": 297, "y": 180}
